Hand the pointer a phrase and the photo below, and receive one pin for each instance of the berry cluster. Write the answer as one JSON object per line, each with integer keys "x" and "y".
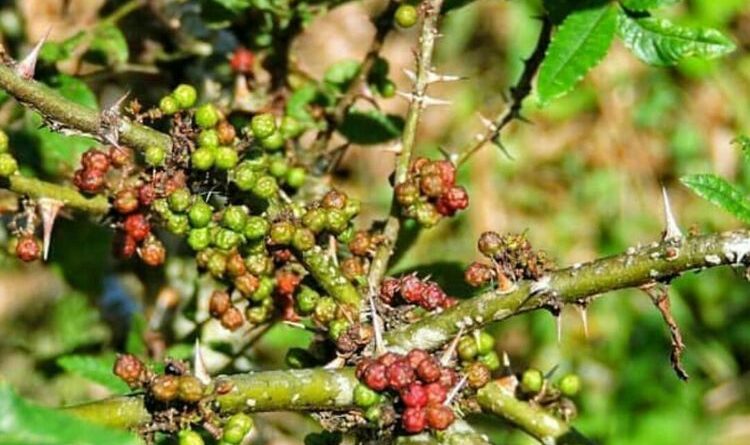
{"x": 8, "y": 164}
{"x": 512, "y": 259}
{"x": 478, "y": 348}
{"x": 175, "y": 388}
{"x": 431, "y": 192}
{"x": 418, "y": 383}
{"x": 411, "y": 289}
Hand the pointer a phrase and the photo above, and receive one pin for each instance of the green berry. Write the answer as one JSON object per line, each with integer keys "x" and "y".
{"x": 532, "y": 380}
{"x": 347, "y": 235}
{"x": 202, "y": 158}
{"x": 208, "y": 138}
{"x": 242, "y": 421}
{"x": 179, "y": 200}
{"x": 304, "y": 239}
{"x": 256, "y": 227}
{"x": 155, "y": 156}
{"x": 290, "y": 127}
{"x": 278, "y": 168}
{"x": 373, "y": 414}
{"x": 467, "y": 348}
{"x": 406, "y": 16}
{"x": 199, "y": 239}
{"x": 337, "y": 327}
{"x": 8, "y": 164}
{"x": 295, "y": 177}
{"x": 3, "y": 141}
{"x": 161, "y": 207}
{"x": 352, "y": 207}
{"x": 266, "y": 187}
{"x": 233, "y": 435}
{"x": 485, "y": 342}
{"x": 427, "y": 214}
{"x": 226, "y": 239}
{"x": 200, "y": 213}
{"x": 306, "y": 300}
{"x": 169, "y": 105}
{"x": 226, "y": 158}
{"x": 178, "y": 224}
{"x": 265, "y": 289}
{"x": 570, "y": 385}
{"x": 245, "y": 177}
{"x": 273, "y": 142}
{"x": 315, "y": 220}
{"x": 190, "y": 437}
{"x": 258, "y": 163}
{"x": 258, "y": 314}
{"x": 263, "y": 125}
{"x": 217, "y": 264}
{"x": 336, "y": 220}
{"x": 185, "y": 95}
{"x": 325, "y": 310}
{"x": 206, "y": 116}
{"x": 259, "y": 263}
{"x": 364, "y": 397}
{"x": 490, "y": 359}
{"x": 282, "y": 232}
{"x": 234, "y": 218}
{"x": 387, "y": 88}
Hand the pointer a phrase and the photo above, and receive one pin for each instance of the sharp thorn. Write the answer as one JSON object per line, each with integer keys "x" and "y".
{"x": 410, "y": 74}
{"x": 200, "y": 370}
{"x": 489, "y": 123}
{"x": 583, "y": 311}
{"x": 558, "y": 323}
{"x": 506, "y": 363}
{"x": 450, "y": 351}
{"x": 672, "y": 231}
{"x": 432, "y": 101}
{"x": 503, "y": 149}
{"x": 551, "y": 372}
{"x": 433, "y": 77}
{"x": 27, "y": 66}
{"x": 455, "y": 390}
{"x": 48, "y": 208}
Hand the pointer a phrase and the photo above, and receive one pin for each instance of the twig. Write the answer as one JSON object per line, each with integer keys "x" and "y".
{"x": 659, "y": 294}
{"x": 36, "y": 188}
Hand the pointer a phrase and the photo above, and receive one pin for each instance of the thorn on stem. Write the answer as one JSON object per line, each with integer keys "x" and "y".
{"x": 27, "y": 66}
{"x": 672, "y": 231}
{"x": 450, "y": 351}
{"x": 48, "y": 208}
{"x": 583, "y": 312}
{"x": 377, "y": 326}
{"x": 199, "y": 364}
{"x": 659, "y": 294}
{"x": 456, "y": 390}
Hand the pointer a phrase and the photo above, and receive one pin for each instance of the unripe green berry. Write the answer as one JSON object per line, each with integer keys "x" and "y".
{"x": 169, "y": 105}
{"x": 8, "y": 164}
{"x": 258, "y": 162}
{"x": 490, "y": 359}
{"x": 263, "y": 125}
{"x": 325, "y": 310}
{"x": 233, "y": 435}
{"x": 206, "y": 116}
{"x": 373, "y": 414}
{"x": 467, "y": 348}
{"x": 485, "y": 342}
{"x": 190, "y": 437}
{"x": 179, "y": 200}
{"x": 226, "y": 158}
{"x": 266, "y": 187}
{"x": 336, "y": 221}
{"x": 200, "y": 213}
{"x": 337, "y": 327}
{"x": 304, "y": 239}
{"x": 532, "y": 380}
{"x": 161, "y": 207}
{"x": 202, "y": 158}
{"x": 347, "y": 235}
{"x": 364, "y": 397}
{"x": 256, "y": 227}
{"x": 352, "y": 207}
{"x": 295, "y": 177}
{"x": 217, "y": 264}
{"x": 245, "y": 177}
{"x": 155, "y": 156}
{"x": 387, "y": 88}
{"x": 208, "y": 138}
{"x": 278, "y": 167}
{"x": 178, "y": 224}
{"x": 427, "y": 214}
{"x": 406, "y": 16}
{"x": 315, "y": 220}
{"x": 570, "y": 385}
{"x": 306, "y": 300}
{"x": 290, "y": 127}
{"x": 259, "y": 263}
{"x": 265, "y": 289}
{"x": 185, "y": 95}
{"x": 199, "y": 239}
{"x": 226, "y": 239}
{"x": 4, "y": 143}
{"x": 242, "y": 421}
{"x": 273, "y": 142}
{"x": 282, "y": 232}
{"x": 234, "y": 218}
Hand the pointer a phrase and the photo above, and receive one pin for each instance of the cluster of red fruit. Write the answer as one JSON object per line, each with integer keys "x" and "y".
{"x": 413, "y": 290}
{"x": 91, "y": 177}
{"x": 419, "y": 380}
{"x": 512, "y": 258}
{"x": 431, "y": 191}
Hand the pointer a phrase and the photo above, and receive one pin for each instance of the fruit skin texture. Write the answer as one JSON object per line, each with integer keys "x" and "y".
{"x": 406, "y": 16}
{"x": 364, "y": 397}
{"x": 164, "y": 388}
{"x": 137, "y": 226}
{"x": 8, "y": 164}
{"x": 414, "y": 395}
{"x": 219, "y": 303}
{"x": 478, "y": 375}
{"x": 28, "y": 248}
{"x": 206, "y": 116}
{"x": 263, "y": 125}
{"x": 375, "y": 377}
{"x": 153, "y": 253}
{"x": 232, "y": 319}
{"x": 439, "y": 417}
{"x": 400, "y": 374}
{"x": 570, "y": 385}
{"x": 414, "y": 420}
{"x": 155, "y": 156}
{"x": 532, "y": 380}
{"x": 190, "y": 437}
{"x": 185, "y": 95}
{"x": 130, "y": 369}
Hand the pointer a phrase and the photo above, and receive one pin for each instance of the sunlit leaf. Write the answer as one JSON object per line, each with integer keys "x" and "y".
{"x": 370, "y": 127}
{"x": 642, "y": 5}
{"x": 721, "y": 193}
{"x": 95, "y": 368}
{"x": 342, "y": 73}
{"x": 108, "y": 46}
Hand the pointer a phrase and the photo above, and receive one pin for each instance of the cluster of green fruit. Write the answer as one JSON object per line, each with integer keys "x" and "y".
{"x": 8, "y": 164}
{"x": 478, "y": 346}
{"x": 533, "y": 382}
{"x": 236, "y": 428}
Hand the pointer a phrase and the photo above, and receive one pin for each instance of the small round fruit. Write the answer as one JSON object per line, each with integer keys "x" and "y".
{"x": 226, "y": 239}
{"x": 485, "y": 342}
{"x": 233, "y": 435}
{"x": 336, "y": 221}
{"x": 130, "y": 369}
{"x": 532, "y": 380}
{"x": 278, "y": 167}
{"x": 185, "y": 95}
{"x": 477, "y": 374}
{"x": 387, "y": 89}
{"x": 245, "y": 177}
{"x": 273, "y": 142}
{"x": 8, "y": 164}
{"x": 406, "y": 16}
{"x": 490, "y": 359}
{"x": 290, "y": 127}
{"x": 303, "y": 240}
{"x": 208, "y": 138}
{"x": 241, "y": 421}
{"x": 206, "y": 116}
{"x": 232, "y": 319}
{"x": 256, "y": 227}
{"x": 373, "y": 414}
{"x": 266, "y": 187}
{"x": 217, "y": 264}
{"x": 306, "y": 300}
{"x": 258, "y": 314}
{"x": 234, "y": 218}
{"x": 200, "y": 213}
{"x": 155, "y": 156}
{"x": 202, "y": 158}
{"x": 467, "y": 348}
{"x": 414, "y": 420}
{"x": 219, "y": 303}
{"x": 199, "y": 239}
{"x": 190, "y": 437}
{"x": 169, "y": 105}
{"x": 365, "y": 397}
{"x": 164, "y": 388}
{"x": 439, "y": 417}
{"x": 325, "y": 310}
{"x": 337, "y": 327}
{"x": 178, "y": 224}
{"x": 295, "y": 177}
{"x": 226, "y": 158}
{"x": 179, "y": 200}
{"x": 282, "y": 232}
{"x": 263, "y": 125}
{"x": 570, "y": 385}
{"x": 191, "y": 389}
{"x": 315, "y": 220}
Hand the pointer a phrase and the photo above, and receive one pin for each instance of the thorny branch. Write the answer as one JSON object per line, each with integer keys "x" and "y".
{"x": 659, "y": 295}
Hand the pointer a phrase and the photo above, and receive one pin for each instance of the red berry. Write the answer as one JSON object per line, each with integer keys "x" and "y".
{"x": 449, "y": 302}
{"x": 287, "y": 282}
{"x": 130, "y": 369}
{"x": 28, "y": 248}
{"x": 439, "y": 417}
{"x": 146, "y": 195}
{"x": 362, "y": 366}
{"x": 443, "y": 207}
{"x": 389, "y": 289}
{"x": 125, "y": 245}
{"x": 96, "y": 160}
{"x": 375, "y": 377}
{"x": 400, "y": 374}
{"x": 457, "y": 198}
{"x": 432, "y": 185}
{"x": 414, "y": 395}
{"x": 152, "y": 252}
{"x": 478, "y": 274}
{"x": 436, "y": 393}
{"x": 120, "y": 156}
{"x": 418, "y": 164}
{"x": 389, "y": 358}
{"x": 429, "y": 370}
{"x": 448, "y": 377}
{"x": 432, "y": 296}
{"x": 447, "y": 172}
{"x": 412, "y": 288}
{"x": 242, "y": 60}
{"x": 126, "y": 201}
{"x": 89, "y": 181}
{"x": 416, "y": 356}
{"x": 414, "y": 420}
{"x": 232, "y": 319}
{"x": 137, "y": 226}
{"x": 219, "y": 303}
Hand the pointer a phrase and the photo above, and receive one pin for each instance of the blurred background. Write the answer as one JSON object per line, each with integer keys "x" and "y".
{"x": 584, "y": 182}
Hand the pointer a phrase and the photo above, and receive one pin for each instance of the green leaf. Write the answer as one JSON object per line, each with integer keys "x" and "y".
{"x": 660, "y": 42}
{"x": 721, "y": 193}
{"x": 581, "y": 42}
{"x": 23, "y": 423}
{"x": 95, "y": 368}
{"x": 370, "y": 127}
{"x": 108, "y": 46}
{"x": 233, "y": 5}
{"x": 342, "y": 73}
{"x": 642, "y": 5}
{"x": 296, "y": 106}
{"x": 135, "y": 344}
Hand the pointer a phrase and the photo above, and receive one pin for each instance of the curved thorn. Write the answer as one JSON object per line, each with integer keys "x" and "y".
{"x": 200, "y": 370}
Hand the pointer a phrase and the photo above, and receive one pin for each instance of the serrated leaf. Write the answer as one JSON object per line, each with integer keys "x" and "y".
{"x": 580, "y": 43}
{"x": 23, "y": 423}
{"x": 108, "y": 46}
{"x": 643, "y": 5}
{"x": 97, "y": 369}
{"x": 720, "y": 192}
{"x": 660, "y": 42}
{"x": 370, "y": 127}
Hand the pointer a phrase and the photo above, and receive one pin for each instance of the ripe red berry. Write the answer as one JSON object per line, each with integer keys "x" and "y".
{"x": 436, "y": 393}
{"x": 414, "y": 395}
{"x": 125, "y": 245}
{"x": 152, "y": 252}
{"x": 120, "y": 156}
{"x": 375, "y": 377}
{"x": 432, "y": 185}
{"x": 389, "y": 289}
{"x": 418, "y": 164}
{"x": 232, "y": 319}
{"x": 449, "y": 302}
{"x": 130, "y": 369}
{"x": 457, "y": 198}
{"x": 429, "y": 370}
{"x": 242, "y": 60}
{"x": 89, "y": 181}
{"x": 447, "y": 172}
{"x": 146, "y": 195}
{"x": 478, "y": 274}
{"x": 28, "y": 248}
{"x": 389, "y": 358}
{"x": 432, "y": 296}
{"x": 412, "y": 288}
{"x": 414, "y": 420}
{"x": 416, "y": 356}
{"x": 126, "y": 201}
{"x": 94, "y": 159}
{"x": 362, "y": 366}
{"x": 439, "y": 417}
{"x": 287, "y": 282}
{"x": 400, "y": 374}
{"x": 137, "y": 226}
